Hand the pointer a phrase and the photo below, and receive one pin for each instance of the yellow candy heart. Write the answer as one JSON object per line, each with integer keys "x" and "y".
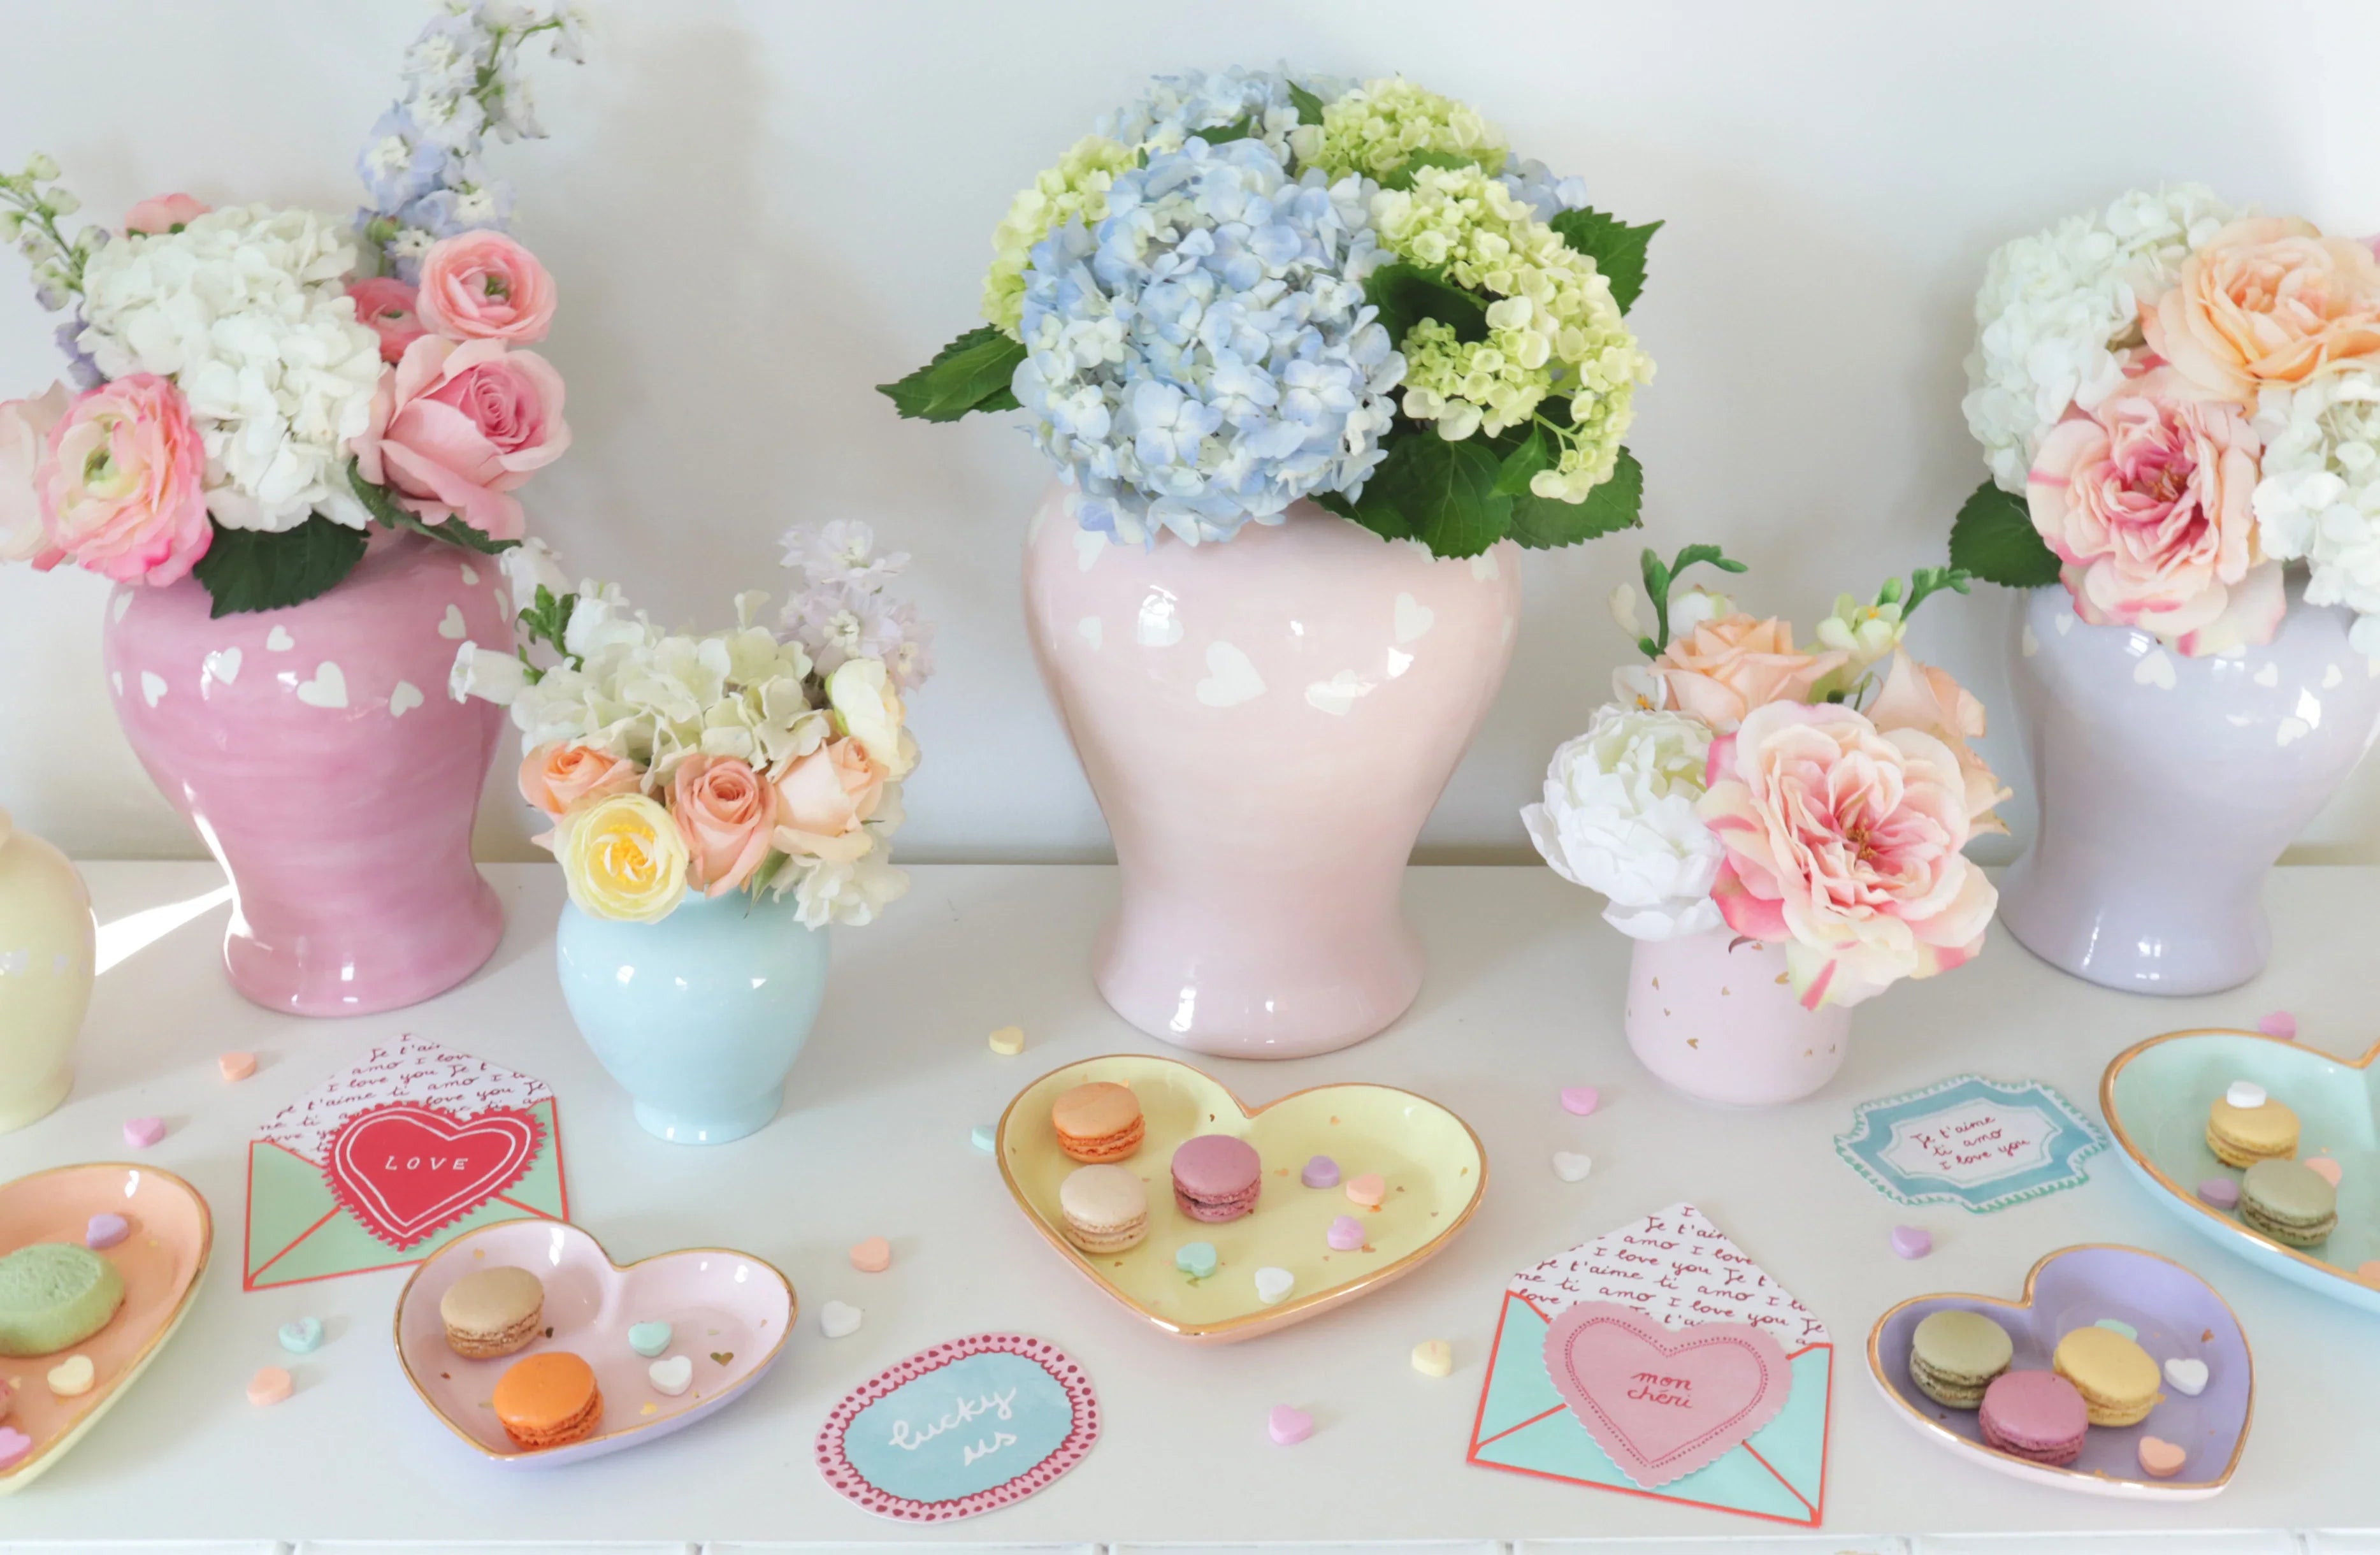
{"x": 1433, "y": 1357}
{"x": 1008, "y": 1041}
{"x": 73, "y": 1376}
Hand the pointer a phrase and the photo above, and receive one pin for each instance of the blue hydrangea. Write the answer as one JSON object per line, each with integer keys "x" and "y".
{"x": 1205, "y": 356}
{"x": 1174, "y": 108}
{"x": 1534, "y": 184}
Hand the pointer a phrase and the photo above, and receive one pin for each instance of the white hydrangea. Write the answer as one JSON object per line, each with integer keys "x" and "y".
{"x": 245, "y": 309}
{"x": 2319, "y": 499}
{"x": 1619, "y": 817}
{"x": 2056, "y": 306}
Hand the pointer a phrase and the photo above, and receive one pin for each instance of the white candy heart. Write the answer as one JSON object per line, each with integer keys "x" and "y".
{"x": 1414, "y": 618}
{"x": 2154, "y": 669}
{"x": 451, "y": 627}
{"x": 327, "y": 689}
{"x": 1338, "y": 693}
{"x": 1232, "y": 678}
{"x": 1273, "y": 1283}
{"x": 1090, "y": 631}
{"x": 278, "y": 640}
{"x": 836, "y": 1320}
{"x": 673, "y": 1376}
{"x": 222, "y": 665}
{"x": 1573, "y": 1168}
{"x": 2187, "y": 1375}
{"x": 2244, "y": 1094}
{"x": 1089, "y": 544}
{"x": 1158, "y": 626}
{"x": 72, "y": 1377}
{"x": 152, "y": 686}
{"x": 404, "y": 698}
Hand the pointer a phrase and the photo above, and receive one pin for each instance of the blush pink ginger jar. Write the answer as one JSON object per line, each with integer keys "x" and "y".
{"x": 1711, "y": 1014}
{"x": 1266, "y": 723}
{"x": 323, "y": 763}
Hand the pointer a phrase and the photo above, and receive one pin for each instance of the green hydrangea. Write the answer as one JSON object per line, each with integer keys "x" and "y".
{"x": 1077, "y": 187}
{"x": 1554, "y": 330}
{"x": 1375, "y": 128}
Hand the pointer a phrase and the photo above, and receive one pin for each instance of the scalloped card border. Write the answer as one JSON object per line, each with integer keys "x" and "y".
{"x": 1954, "y": 1118}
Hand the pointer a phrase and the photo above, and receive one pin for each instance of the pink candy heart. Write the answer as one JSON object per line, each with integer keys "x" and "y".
{"x": 1288, "y": 1426}
{"x": 1911, "y": 1242}
{"x": 13, "y": 1445}
{"x": 2281, "y": 1024}
{"x": 1580, "y": 1099}
{"x": 105, "y": 1231}
{"x": 142, "y": 1132}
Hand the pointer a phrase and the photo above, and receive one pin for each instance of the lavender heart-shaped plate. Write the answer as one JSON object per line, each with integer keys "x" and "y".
{"x": 2177, "y": 1317}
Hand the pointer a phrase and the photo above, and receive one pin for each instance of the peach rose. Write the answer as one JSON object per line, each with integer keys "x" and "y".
{"x": 2146, "y": 501}
{"x": 822, "y": 799}
{"x": 456, "y": 429}
{"x": 121, "y": 489}
{"x": 2269, "y": 299}
{"x": 727, "y": 813}
{"x": 1722, "y": 669}
{"x": 384, "y": 305}
{"x": 482, "y": 285}
{"x": 163, "y": 213}
{"x": 557, "y": 777}
{"x": 24, "y": 442}
{"x": 1920, "y": 696}
{"x": 1843, "y": 843}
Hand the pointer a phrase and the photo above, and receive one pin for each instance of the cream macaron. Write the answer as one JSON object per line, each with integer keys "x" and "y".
{"x": 1106, "y": 1209}
{"x": 493, "y": 1312}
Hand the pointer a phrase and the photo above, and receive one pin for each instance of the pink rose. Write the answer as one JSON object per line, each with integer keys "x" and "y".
{"x": 1843, "y": 841}
{"x": 728, "y": 814}
{"x": 557, "y": 777}
{"x": 2146, "y": 501}
{"x": 24, "y": 442}
{"x": 384, "y": 305}
{"x": 1722, "y": 669}
{"x": 1920, "y": 696}
{"x": 163, "y": 213}
{"x": 121, "y": 487}
{"x": 824, "y": 797}
{"x": 482, "y": 285}
{"x": 456, "y": 429}
{"x": 2269, "y": 299}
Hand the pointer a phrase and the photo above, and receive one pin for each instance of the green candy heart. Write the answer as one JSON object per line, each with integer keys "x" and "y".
{"x": 649, "y": 1338}
{"x": 1195, "y": 1258}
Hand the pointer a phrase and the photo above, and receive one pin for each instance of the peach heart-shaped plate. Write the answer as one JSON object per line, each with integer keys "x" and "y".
{"x": 161, "y": 1259}
{"x": 2177, "y": 1317}
{"x": 2155, "y": 1097}
{"x": 1433, "y": 1164}
{"x": 728, "y": 1312}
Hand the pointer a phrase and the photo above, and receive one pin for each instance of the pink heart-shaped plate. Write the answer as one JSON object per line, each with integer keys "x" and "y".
{"x": 717, "y": 1301}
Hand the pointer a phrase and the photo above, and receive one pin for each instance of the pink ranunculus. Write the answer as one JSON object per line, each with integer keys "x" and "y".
{"x": 557, "y": 777}
{"x": 1920, "y": 696}
{"x": 824, "y": 797}
{"x": 2145, "y": 500}
{"x": 122, "y": 486}
{"x": 727, "y": 813}
{"x": 384, "y": 305}
{"x": 456, "y": 429}
{"x": 24, "y": 442}
{"x": 163, "y": 213}
{"x": 2268, "y": 300}
{"x": 1722, "y": 669}
{"x": 482, "y": 285}
{"x": 1844, "y": 841}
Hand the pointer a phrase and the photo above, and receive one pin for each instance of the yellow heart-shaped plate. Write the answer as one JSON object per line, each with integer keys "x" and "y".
{"x": 1433, "y": 1164}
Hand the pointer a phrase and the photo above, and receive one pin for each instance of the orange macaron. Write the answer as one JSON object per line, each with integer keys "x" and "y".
{"x": 1099, "y": 1123}
{"x": 549, "y": 1401}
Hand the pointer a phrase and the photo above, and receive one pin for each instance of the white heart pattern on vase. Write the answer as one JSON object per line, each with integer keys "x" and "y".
{"x": 1232, "y": 678}
{"x": 327, "y": 689}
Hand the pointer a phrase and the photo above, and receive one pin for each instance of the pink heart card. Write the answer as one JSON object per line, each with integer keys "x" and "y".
{"x": 1664, "y": 1401}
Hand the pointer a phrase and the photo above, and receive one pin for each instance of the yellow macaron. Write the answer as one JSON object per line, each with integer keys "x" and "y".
{"x": 2243, "y": 1136}
{"x": 2116, "y": 1376}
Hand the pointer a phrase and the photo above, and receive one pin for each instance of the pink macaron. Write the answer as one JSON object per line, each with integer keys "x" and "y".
{"x": 2036, "y": 1416}
{"x": 1215, "y": 1177}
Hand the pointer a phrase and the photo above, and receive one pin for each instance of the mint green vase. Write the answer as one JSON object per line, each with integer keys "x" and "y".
{"x": 701, "y": 1016}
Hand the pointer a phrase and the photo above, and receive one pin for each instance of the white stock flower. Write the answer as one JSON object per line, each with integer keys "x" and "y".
{"x": 528, "y": 566}
{"x": 2054, "y": 306}
{"x": 1694, "y": 608}
{"x": 1619, "y": 817}
{"x": 489, "y": 674}
{"x": 2319, "y": 499}
{"x": 246, "y": 308}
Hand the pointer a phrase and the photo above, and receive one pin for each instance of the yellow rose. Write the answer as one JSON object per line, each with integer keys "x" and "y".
{"x": 623, "y": 858}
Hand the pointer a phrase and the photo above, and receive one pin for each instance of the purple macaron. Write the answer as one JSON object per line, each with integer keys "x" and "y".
{"x": 1215, "y": 1177}
{"x": 2036, "y": 1416}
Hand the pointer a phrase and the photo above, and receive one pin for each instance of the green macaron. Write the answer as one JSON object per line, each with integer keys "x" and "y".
{"x": 2288, "y": 1202}
{"x": 1954, "y": 1356}
{"x": 54, "y": 1295}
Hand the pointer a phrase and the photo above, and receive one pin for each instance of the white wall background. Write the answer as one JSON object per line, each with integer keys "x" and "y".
{"x": 755, "y": 211}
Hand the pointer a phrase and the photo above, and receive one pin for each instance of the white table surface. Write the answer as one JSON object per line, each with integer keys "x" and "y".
{"x": 1523, "y": 997}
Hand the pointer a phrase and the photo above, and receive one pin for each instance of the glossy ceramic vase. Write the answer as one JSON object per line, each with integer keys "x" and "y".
{"x": 2170, "y": 785}
{"x": 1712, "y": 1016}
{"x": 318, "y": 755}
{"x": 46, "y": 947}
{"x": 1266, "y": 723}
{"x": 701, "y": 1016}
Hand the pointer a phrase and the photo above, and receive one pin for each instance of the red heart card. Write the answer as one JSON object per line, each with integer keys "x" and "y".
{"x": 406, "y": 1170}
{"x": 1664, "y": 1401}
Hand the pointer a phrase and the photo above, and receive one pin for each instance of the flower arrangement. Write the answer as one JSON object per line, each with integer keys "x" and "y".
{"x": 2178, "y": 400}
{"x": 259, "y": 386}
{"x": 1815, "y": 796}
{"x": 1246, "y": 288}
{"x": 741, "y": 760}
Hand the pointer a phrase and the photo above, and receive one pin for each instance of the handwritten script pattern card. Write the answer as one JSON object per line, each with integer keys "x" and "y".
{"x": 1980, "y": 1144}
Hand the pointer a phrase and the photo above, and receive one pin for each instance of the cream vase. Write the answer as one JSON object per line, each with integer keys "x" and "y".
{"x": 47, "y": 945}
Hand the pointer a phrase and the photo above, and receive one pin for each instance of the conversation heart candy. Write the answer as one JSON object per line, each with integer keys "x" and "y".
{"x": 1195, "y": 1258}
{"x": 1287, "y": 1426}
{"x": 673, "y": 1376}
{"x": 649, "y": 1338}
{"x": 301, "y": 1336}
{"x": 105, "y": 1231}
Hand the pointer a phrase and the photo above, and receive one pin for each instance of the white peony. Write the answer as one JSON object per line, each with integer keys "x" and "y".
{"x": 2319, "y": 499}
{"x": 1619, "y": 817}
{"x": 2054, "y": 306}
{"x": 246, "y": 308}
{"x": 827, "y": 892}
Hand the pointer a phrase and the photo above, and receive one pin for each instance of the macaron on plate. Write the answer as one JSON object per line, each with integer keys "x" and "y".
{"x": 161, "y": 1253}
{"x": 728, "y": 1315}
{"x": 2175, "y": 1316}
{"x": 2156, "y": 1097}
{"x": 1431, "y": 1165}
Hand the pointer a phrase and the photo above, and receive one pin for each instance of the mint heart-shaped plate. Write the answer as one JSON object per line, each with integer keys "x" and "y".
{"x": 2156, "y": 1098}
{"x": 2176, "y": 1314}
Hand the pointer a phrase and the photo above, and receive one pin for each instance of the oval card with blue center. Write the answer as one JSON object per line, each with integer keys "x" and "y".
{"x": 962, "y": 1429}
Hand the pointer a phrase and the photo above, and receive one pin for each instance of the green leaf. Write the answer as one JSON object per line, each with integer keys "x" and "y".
{"x": 1445, "y": 493}
{"x": 1373, "y": 512}
{"x": 1308, "y": 106}
{"x": 249, "y": 569}
{"x": 1993, "y": 538}
{"x": 970, "y": 374}
{"x": 1547, "y": 523}
{"x": 1406, "y": 294}
{"x": 1238, "y": 129}
{"x": 452, "y": 529}
{"x": 1531, "y": 453}
{"x": 1401, "y": 176}
{"x": 1617, "y": 248}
